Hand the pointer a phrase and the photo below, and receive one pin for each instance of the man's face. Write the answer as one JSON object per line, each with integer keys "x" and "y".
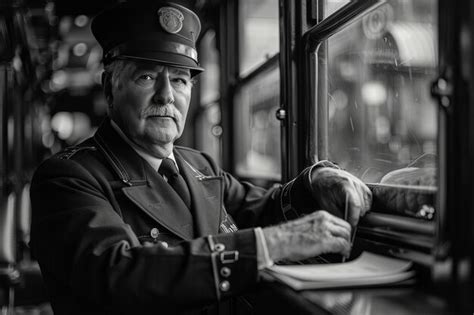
{"x": 150, "y": 103}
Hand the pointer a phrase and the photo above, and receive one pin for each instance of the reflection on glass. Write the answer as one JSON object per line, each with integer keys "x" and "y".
{"x": 257, "y": 131}
{"x": 382, "y": 119}
{"x": 258, "y": 33}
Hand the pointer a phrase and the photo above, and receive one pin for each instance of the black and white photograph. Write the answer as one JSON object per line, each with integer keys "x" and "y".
{"x": 236, "y": 157}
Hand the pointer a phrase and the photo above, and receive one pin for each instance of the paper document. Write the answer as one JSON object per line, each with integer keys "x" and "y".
{"x": 367, "y": 270}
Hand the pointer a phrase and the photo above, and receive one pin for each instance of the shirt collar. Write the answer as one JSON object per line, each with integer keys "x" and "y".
{"x": 153, "y": 161}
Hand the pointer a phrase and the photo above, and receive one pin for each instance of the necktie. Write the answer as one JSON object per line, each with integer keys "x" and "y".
{"x": 175, "y": 180}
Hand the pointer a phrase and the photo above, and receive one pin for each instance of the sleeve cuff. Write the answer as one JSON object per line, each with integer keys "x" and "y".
{"x": 263, "y": 257}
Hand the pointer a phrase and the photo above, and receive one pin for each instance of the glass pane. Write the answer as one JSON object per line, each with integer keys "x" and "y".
{"x": 257, "y": 131}
{"x": 208, "y": 131}
{"x": 209, "y": 59}
{"x": 258, "y": 33}
{"x": 331, "y": 6}
{"x": 208, "y": 117}
{"x": 382, "y": 119}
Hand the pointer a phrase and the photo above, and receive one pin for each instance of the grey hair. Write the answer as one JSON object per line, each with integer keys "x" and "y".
{"x": 115, "y": 69}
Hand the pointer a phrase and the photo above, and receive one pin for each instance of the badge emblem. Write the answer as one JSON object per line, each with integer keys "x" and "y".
{"x": 171, "y": 19}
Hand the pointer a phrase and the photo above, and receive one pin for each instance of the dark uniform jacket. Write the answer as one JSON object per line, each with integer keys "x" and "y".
{"x": 101, "y": 215}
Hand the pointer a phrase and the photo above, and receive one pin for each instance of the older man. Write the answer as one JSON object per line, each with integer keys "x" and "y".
{"x": 127, "y": 222}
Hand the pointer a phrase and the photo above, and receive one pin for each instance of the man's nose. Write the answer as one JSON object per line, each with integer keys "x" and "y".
{"x": 163, "y": 90}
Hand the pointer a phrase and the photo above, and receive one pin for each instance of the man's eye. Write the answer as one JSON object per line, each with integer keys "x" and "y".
{"x": 145, "y": 80}
{"x": 146, "y": 77}
{"x": 180, "y": 81}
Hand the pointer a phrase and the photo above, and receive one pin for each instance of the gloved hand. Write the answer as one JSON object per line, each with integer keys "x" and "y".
{"x": 324, "y": 186}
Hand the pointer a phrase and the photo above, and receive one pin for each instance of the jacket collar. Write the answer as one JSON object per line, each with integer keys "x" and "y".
{"x": 154, "y": 196}
{"x": 121, "y": 155}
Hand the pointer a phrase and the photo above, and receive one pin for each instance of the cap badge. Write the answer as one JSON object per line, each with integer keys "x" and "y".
{"x": 171, "y": 19}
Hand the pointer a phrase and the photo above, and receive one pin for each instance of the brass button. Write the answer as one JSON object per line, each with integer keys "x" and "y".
{"x": 219, "y": 247}
{"x": 225, "y": 272}
{"x": 224, "y": 286}
{"x": 154, "y": 232}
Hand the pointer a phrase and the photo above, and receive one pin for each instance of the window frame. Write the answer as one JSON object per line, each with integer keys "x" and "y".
{"x": 315, "y": 49}
{"x": 3, "y": 128}
{"x": 453, "y": 90}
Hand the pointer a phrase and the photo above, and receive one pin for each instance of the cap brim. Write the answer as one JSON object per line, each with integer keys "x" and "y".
{"x": 174, "y": 60}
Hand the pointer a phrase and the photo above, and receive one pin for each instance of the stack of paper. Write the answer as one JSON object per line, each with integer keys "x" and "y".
{"x": 367, "y": 270}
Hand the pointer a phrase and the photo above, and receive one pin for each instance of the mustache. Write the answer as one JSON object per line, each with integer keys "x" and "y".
{"x": 167, "y": 110}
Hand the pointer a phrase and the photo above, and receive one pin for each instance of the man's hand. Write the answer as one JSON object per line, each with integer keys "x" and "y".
{"x": 324, "y": 186}
{"x": 331, "y": 188}
{"x": 314, "y": 234}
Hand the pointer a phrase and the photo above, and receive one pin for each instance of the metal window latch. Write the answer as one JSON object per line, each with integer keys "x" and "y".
{"x": 442, "y": 89}
{"x": 280, "y": 114}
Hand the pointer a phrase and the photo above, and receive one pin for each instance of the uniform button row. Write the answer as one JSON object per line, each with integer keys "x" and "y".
{"x": 225, "y": 272}
{"x": 224, "y": 286}
{"x": 219, "y": 247}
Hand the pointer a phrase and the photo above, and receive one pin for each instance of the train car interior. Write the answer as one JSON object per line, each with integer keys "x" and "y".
{"x": 382, "y": 88}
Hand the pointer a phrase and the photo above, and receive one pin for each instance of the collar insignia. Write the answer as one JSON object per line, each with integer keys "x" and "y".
{"x": 171, "y": 19}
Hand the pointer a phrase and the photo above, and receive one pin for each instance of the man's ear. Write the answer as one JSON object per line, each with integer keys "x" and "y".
{"x": 107, "y": 86}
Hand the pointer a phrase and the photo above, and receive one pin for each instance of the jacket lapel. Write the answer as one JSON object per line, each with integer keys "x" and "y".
{"x": 162, "y": 203}
{"x": 145, "y": 188}
{"x": 206, "y": 195}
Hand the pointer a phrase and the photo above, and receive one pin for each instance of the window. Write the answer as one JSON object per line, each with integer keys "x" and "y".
{"x": 208, "y": 131}
{"x": 209, "y": 58}
{"x": 374, "y": 64}
{"x": 208, "y": 117}
{"x": 382, "y": 121}
{"x": 257, "y": 131}
{"x": 258, "y": 36}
